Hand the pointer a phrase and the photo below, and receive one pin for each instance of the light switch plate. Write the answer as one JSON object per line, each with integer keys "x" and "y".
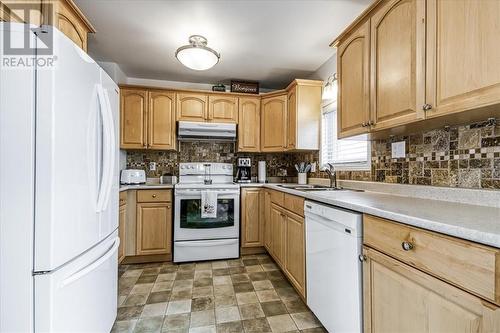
{"x": 399, "y": 149}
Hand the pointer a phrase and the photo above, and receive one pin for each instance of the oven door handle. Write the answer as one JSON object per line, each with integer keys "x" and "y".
{"x": 198, "y": 193}
{"x": 218, "y": 242}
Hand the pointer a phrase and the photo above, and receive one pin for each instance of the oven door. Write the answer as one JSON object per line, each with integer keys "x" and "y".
{"x": 189, "y": 225}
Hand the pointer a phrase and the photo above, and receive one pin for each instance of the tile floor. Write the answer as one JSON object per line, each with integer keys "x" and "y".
{"x": 241, "y": 295}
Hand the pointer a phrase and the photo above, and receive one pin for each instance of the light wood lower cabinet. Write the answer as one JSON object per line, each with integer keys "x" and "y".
{"x": 252, "y": 217}
{"x": 154, "y": 223}
{"x": 295, "y": 252}
{"x": 399, "y": 298}
{"x": 122, "y": 219}
{"x": 284, "y": 236}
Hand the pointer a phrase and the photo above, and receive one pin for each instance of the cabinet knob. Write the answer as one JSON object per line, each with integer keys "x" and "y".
{"x": 362, "y": 257}
{"x": 371, "y": 123}
{"x": 363, "y": 124}
{"x": 407, "y": 246}
{"x": 426, "y": 107}
{"x": 154, "y": 195}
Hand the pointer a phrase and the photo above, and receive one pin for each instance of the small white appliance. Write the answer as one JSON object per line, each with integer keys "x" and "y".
{"x": 59, "y": 189}
{"x": 197, "y": 238}
{"x": 133, "y": 177}
{"x": 197, "y": 130}
{"x": 334, "y": 271}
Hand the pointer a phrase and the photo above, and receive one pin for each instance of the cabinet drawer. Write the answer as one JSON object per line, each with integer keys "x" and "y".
{"x": 294, "y": 204}
{"x": 123, "y": 198}
{"x": 277, "y": 197}
{"x": 470, "y": 266}
{"x": 154, "y": 196}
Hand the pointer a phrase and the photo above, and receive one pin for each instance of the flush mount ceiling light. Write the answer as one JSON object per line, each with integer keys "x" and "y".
{"x": 197, "y": 55}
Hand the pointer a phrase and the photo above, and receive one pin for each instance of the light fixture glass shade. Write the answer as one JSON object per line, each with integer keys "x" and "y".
{"x": 197, "y": 55}
{"x": 331, "y": 89}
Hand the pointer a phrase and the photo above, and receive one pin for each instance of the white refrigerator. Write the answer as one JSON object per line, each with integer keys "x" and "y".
{"x": 58, "y": 189}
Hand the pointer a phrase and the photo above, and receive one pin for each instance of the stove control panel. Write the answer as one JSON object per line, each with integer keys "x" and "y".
{"x": 225, "y": 169}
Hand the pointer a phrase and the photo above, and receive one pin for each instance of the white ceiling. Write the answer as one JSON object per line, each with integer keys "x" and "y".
{"x": 269, "y": 41}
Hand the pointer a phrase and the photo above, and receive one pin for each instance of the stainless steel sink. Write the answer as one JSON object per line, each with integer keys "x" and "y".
{"x": 310, "y": 188}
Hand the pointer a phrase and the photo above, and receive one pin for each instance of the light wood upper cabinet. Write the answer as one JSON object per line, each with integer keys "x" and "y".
{"x": 463, "y": 55}
{"x": 273, "y": 123}
{"x": 397, "y": 63}
{"x": 249, "y": 124}
{"x": 161, "y": 120}
{"x": 147, "y": 119}
{"x": 192, "y": 106}
{"x": 154, "y": 224}
{"x": 252, "y": 221}
{"x": 222, "y": 109}
{"x": 399, "y": 298}
{"x": 303, "y": 115}
{"x": 134, "y": 105}
{"x": 353, "y": 66}
{"x": 62, "y": 14}
{"x": 295, "y": 261}
{"x": 291, "y": 135}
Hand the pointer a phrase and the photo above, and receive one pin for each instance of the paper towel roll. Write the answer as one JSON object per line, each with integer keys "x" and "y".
{"x": 262, "y": 172}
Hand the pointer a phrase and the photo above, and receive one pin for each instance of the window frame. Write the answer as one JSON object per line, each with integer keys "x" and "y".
{"x": 331, "y": 106}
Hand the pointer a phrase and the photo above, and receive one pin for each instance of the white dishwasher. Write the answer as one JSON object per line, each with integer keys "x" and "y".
{"x": 334, "y": 271}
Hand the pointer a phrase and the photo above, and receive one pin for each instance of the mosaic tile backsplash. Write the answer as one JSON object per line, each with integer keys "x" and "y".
{"x": 462, "y": 156}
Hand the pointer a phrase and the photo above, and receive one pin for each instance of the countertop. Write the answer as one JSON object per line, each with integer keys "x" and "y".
{"x": 480, "y": 224}
{"x": 146, "y": 187}
{"x": 476, "y": 223}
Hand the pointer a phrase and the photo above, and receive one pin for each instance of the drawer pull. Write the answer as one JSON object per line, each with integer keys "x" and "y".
{"x": 407, "y": 246}
{"x": 154, "y": 195}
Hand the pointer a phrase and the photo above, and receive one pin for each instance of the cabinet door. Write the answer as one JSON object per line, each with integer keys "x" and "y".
{"x": 161, "y": 120}
{"x": 295, "y": 262}
{"x": 397, "y": 63}
{"x": 278, "y": 220}
{"x": 267, "y": 221}
{"x": 252, "y": 223}
{"x": 121, "y": 231}
{"x": 154, "y": 228}
{"x": 133, "y": 118}
{"x": 398, "y": 298}
{"x": 70, "y": 24}
{"x": 222, "y": 109}
{"x": 353, "y": 63}
{"x": 463, "y": 55}
{"x": 291, "y": 136}
{"x": 273, "y": 129}
{"x": 192, "y": 107}
{"x": 249, "y": 124}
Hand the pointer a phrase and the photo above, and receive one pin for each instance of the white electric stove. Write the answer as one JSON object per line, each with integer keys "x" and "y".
{"x": 197, "y": 238}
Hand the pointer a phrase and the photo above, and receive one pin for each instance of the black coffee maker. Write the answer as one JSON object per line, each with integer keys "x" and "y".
{"x": 244, "y": 172}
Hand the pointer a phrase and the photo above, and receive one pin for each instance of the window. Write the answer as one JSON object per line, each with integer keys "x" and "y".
{"x": 345, "y": 154}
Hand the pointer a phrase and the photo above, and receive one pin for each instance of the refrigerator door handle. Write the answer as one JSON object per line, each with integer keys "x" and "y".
{"x": 103, "y": 188}
{"x": 92, "y": 266}
{"x": 112, "y": 149}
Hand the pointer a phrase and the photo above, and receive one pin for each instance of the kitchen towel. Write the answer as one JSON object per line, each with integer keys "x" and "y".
{"x": 208, "y": 204}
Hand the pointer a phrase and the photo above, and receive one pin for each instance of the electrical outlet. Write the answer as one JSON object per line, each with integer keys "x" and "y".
{"x": 399, "y": 149}
{"x": 313, "y": 167}
{"x": 152, "y": 166}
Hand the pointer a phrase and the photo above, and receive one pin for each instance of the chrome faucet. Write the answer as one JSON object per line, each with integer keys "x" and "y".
{"x": 330, "y": 170}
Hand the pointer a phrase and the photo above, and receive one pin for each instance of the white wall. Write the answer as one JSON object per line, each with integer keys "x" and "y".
{"x": 114, "y": 71}
{"x": 328, "y": 68}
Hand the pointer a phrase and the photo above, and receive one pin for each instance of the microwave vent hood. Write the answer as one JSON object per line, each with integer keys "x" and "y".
{"x": 188, "y": 131}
